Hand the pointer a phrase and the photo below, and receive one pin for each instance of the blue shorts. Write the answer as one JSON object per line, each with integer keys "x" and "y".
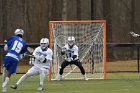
{"x": 10, "y": 64}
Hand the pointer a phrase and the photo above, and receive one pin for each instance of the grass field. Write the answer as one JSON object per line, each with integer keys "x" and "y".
{"x": 115, "y": 83}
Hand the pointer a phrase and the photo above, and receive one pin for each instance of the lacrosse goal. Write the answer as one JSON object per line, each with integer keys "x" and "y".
{"x": 90, "y": 37}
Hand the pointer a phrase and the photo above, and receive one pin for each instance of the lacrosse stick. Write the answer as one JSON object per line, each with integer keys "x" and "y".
{"x": 134, "y": 34}
{"x": 30, "y": 50}
{"x": 29, "y": 55}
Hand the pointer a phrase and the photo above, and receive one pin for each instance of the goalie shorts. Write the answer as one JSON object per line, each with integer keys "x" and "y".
{"x": 76, "y": 62}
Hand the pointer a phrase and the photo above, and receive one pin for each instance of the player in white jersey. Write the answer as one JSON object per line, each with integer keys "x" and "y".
{"x": 71, "y": 52}
{"x": 43, "y": 59}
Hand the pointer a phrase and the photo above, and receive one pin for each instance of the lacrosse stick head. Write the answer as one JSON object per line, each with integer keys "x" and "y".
{"x": 30, "y": 50}
{"x": 134, "y": 34}
{"x": 60, "y": 40}
{"x": 131, "y": 32}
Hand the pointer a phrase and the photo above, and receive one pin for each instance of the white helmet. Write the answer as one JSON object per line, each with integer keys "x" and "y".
{"x": 44, "y": 42}
{"x": 19, "y": 31}
{"x": 71, "y": 40}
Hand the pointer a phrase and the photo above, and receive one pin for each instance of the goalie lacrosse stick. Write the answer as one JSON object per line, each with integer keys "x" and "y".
{"x": 134, "y": 34}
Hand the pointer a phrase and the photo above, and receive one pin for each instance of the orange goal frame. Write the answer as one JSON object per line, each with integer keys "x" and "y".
{"x": 78, "y": 21}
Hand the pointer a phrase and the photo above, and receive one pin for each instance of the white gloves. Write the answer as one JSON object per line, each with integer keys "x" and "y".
{"x": 63, "y": 49}
{"x": 40, "y": 58}
{"x": 32, "y": 60}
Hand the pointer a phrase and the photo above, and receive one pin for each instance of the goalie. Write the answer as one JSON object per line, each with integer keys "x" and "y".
{"x": 43, "y": 59}
{"x": 70, "y": 51}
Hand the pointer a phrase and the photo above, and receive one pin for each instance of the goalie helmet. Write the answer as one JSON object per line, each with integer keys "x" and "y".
{"x": 44, "y": 42}
{"x": 71, "y": 40}
{"x": 19, "y": 32}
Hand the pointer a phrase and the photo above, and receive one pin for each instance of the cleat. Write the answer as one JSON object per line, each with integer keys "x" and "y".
{"x": 85, "y": 77}
{"x": 59, "y": 77}
{"x": 4, "y": 90}
{"x": 40, "y": 88}
{"x": 14, "y": 86}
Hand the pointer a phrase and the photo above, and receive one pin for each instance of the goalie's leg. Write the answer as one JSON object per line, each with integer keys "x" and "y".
{"x": 63, "y": 65}
{"x": 78, "y": 63}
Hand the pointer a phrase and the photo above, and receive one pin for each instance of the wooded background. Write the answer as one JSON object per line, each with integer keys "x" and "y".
{"x": 33, "y": 17}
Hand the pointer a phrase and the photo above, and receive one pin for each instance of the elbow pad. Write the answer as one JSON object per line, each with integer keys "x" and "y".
{"x": 6, "y": 47}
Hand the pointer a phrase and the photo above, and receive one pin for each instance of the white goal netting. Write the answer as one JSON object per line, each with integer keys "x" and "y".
{"x": 90, "y": 38}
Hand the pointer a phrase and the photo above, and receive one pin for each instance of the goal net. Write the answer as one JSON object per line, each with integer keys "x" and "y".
{"x": 90, "y": 37}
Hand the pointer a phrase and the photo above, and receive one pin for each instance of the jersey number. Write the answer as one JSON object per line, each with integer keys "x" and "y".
{"x": 17, "y": 46}
{"x": 70, "y": 53}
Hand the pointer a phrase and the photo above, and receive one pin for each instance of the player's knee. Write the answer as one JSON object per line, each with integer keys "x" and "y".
{"x": 80, "y": 67}
{"x": 62, "y": 68}
{"x": 28, "y": 74}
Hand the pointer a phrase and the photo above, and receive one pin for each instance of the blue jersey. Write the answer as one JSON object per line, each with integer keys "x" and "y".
{"x": 16, "y": 47}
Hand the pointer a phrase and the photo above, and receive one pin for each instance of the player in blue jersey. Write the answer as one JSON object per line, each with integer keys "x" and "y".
{"x": 15, "y": 47}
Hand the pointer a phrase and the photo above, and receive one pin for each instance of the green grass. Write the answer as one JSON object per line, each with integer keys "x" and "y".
{"x": 115, "y": 83}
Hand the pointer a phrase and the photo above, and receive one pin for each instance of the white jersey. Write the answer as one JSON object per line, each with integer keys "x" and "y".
{"x": 48, "y": 55}
{"x": 71, "y": 51}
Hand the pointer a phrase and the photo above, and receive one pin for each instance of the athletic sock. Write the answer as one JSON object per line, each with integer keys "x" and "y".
{"x": 22, "y": 79}
{"x": 42, "y": 76}
{"x": 5, "y": 82}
